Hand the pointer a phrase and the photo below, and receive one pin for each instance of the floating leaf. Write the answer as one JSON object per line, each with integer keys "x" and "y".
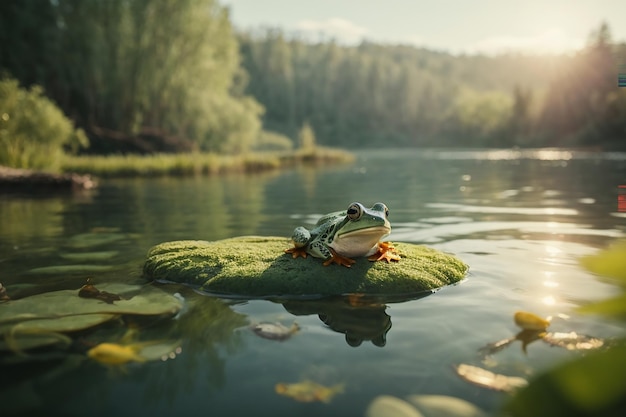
{"x": 309, "y": 391}
{"x": 445, "y": 406}
{"x": 495, "y": 347}
{"x": 388, "y": 406}
{"x": 162, "y": 350}
{"x": 70, "y": 269}
{"x": 530, "y": 321}
{"x": 487, "y": 379}
{"x": 142, "y": 300}
{"x": 88, "y": 240}
{"x": 274, "y": 331}
{"x": 64, "y": 311}
{"x": 573, "y": 341}
{"x": 90, "y": 256}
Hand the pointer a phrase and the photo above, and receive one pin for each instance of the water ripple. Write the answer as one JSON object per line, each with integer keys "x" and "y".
{"x": 531, "y": 211}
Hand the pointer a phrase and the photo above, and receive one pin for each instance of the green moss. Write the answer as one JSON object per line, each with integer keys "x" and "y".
{"x": 254, "y": 266}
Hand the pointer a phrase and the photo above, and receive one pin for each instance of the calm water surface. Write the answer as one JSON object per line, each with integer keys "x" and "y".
{"x": 519, "y": 219}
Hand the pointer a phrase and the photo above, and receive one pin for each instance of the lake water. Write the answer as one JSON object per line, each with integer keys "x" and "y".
{"x": 519, "y": 219}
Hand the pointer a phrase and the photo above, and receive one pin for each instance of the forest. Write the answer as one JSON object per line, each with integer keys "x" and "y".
{"x": 139, "y": 76}
{"x": 379, "y": 95}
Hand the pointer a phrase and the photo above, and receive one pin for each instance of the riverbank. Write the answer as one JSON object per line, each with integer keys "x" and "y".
{"x": 198, "y": 163}
{"x": 78, "y": 172}
{"x": 13, "y": 179}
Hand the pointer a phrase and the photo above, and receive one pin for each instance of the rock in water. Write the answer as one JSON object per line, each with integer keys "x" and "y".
{"x": 255, "y": 266}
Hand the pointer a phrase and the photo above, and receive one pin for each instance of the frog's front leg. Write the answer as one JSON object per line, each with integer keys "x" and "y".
{"x": 300, "y": 238}
{"x": 320, "y": 250}
{"x": 338, "y": 259}
{"x": 385, "y": 252}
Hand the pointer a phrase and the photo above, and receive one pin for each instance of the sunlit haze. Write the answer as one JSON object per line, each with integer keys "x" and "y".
{"x": 457, "y": 26}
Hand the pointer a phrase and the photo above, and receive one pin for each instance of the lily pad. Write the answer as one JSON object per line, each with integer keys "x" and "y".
{"x": 90, "y": 240}
{"x": 33, "y": 321}
{"x": 70, "y": 269}
{"x": 487, "y": 379}
{"x": 254, "y": 266}
{"x": 90, "y": 256}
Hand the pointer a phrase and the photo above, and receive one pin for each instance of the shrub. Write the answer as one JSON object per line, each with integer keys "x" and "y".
{"x": 33, "y": 131}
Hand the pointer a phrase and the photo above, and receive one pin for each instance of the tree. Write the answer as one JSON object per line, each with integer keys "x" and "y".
{"x": 133, "y": 71}
{"x": 577, "y": 109}
{"x": 33, "y": 131}
{"x": 306, "y": 137}
{"x": 520, "y": 123}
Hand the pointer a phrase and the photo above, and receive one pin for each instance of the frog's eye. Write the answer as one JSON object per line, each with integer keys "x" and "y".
{"x": 355, "y": 211}
{"x": 381, "y": 207}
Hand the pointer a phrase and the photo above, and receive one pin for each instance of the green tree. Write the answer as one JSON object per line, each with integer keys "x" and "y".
{"x": 139, "y": 74}
{"x": 398, "y": 95}
{"x": 582, "y": 103}
{"x": 306, "y": 137}
{"x": 520, "y": 123}
{"x": 33, "y": 131}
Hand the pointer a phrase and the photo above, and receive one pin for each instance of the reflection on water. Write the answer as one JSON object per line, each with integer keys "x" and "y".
{"x": 358, "y": 321}
{"x": 360, "y": 318}
{"x": 520, "y": 218}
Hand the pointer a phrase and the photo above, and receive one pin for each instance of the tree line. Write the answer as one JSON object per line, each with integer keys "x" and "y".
{"x": 380, "y": 95}
{"x": 170, "y": 76}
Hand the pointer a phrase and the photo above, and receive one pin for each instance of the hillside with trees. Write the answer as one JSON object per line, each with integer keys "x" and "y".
{"x": 174, "y": 76}
{"x": 380, "y": 95}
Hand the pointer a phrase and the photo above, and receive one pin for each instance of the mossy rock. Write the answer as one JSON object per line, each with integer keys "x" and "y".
{"x": 254, "y": 266}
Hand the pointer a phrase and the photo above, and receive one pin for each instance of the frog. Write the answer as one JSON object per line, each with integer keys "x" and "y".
{"x": 339, "y": 236}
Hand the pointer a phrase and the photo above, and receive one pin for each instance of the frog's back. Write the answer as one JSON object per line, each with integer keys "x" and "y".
{"x": 330, "y": 217}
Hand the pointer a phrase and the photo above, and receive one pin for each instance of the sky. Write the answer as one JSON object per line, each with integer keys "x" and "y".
{"x": 456, "y": 26}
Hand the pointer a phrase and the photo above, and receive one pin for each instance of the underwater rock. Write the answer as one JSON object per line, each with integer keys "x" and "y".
{"x": 255, "y": 266}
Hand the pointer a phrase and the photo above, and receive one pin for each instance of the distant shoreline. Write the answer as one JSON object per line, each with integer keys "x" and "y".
{"x": 15, "y": 179}
{"x": 78, "y": 172}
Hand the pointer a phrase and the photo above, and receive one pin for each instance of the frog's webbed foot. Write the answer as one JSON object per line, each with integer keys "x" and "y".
{"x": 385, "y": 253}
{"x": 297, "y": 252}
{"x": 338, "y": 259}
{"x": 300, "y": 238}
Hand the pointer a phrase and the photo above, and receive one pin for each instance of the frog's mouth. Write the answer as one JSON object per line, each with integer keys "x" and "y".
{"x": 361, "y": 242}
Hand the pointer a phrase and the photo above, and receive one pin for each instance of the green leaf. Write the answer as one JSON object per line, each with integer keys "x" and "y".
{"x": 594, "y": 385}
{"x": 612, "y": 307}
{"x": 609, "y": 262}
{"x": 36, "y": 320}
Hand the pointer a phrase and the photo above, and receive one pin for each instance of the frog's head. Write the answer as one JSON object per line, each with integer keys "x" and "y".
{"x": 362, "y": 229}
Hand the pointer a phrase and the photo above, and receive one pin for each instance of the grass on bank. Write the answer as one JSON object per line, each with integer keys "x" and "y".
{"x": 198, "y": 163}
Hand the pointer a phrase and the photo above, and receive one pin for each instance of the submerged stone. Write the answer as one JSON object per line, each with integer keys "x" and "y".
{"x": 255, "y": 266}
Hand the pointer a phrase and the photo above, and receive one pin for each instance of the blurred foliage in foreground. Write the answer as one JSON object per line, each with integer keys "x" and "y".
{"x": 594, "y": 385}
{"x": 33, "y": 130}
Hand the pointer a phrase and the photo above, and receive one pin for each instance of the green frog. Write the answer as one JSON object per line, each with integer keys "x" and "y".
{"x": 339, "y": 236}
